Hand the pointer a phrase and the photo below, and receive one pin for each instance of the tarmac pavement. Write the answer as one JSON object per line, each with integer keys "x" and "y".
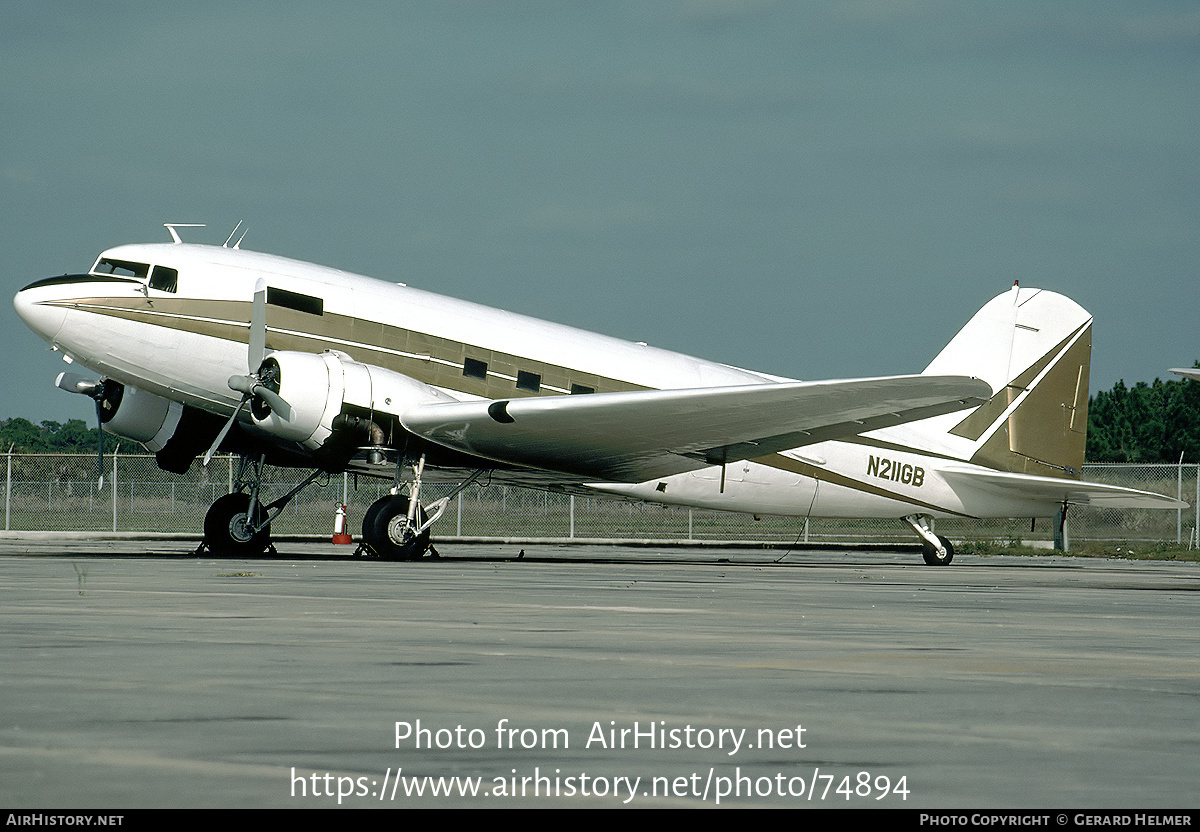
{"x": 135, "y": 674}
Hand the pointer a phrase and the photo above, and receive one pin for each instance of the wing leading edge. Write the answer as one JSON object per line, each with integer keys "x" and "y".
{"x": 640, "y": 435}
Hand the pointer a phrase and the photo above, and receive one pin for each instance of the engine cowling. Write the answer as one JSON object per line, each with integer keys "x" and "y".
{"x": 175, "y": 433}
{"x": 130, "y": 413}
{"x": 318, "y": 387}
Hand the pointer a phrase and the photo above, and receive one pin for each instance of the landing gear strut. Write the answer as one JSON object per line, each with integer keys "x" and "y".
{"x": 396, "y": 527}
{"x": 937, "y": 550}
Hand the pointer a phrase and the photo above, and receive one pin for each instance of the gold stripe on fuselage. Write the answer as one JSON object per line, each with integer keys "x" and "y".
{"x": 786, "y": 463}
{"x": 428, "y": 358}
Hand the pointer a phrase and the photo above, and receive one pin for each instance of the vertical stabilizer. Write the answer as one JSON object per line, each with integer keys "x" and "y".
{"x": 1034, "y": 347}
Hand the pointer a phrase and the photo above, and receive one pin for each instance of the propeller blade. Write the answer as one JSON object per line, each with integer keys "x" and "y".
{"x": 74, "y": 383}
{"x": 229, "y": 424}
{"x": 251, "y": 386}
{"x": 257, "y": 344}
{"x": 100, "y": 444}
{"x": 276, "y": 401}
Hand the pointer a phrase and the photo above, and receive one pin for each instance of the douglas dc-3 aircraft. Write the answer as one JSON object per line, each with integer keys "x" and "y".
{"x": 343, "y": 372}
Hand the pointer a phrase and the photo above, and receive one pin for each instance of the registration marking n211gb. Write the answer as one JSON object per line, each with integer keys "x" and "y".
{"x": 890, "y": 469}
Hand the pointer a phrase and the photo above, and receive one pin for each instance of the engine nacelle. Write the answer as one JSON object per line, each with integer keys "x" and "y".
{"x": 131, "y": 413}
{"x": 317, "y": 387}
{"x": 175, "y": 433}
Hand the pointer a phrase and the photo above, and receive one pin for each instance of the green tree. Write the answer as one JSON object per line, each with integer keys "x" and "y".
{"x": 75, "y": 437}
{"x": 1153, "y": 422}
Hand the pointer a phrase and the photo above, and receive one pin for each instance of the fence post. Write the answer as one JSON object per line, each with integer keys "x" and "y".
{"x": 8, "y": 488}
{"x": 572, "y": 517}
{"x": 1179, "y": 497}
{"x": 114, "y": 487}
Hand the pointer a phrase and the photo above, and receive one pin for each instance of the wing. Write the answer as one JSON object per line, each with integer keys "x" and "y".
{"x": 1053, "y": 489}
{"x": 640, "y": 435}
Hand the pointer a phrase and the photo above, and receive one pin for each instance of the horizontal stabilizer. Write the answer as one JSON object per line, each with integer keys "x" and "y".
{"x": 637, "y": 436}
{"x": 1054, "y": 489}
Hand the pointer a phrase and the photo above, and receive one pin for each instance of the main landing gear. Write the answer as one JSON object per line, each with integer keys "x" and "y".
{"x": 392, "y": 532}
{"x": 936, "y": 549}
{"x": 238, "y": 525}
{"x": 233, "y": 529}
{"x": 396, "y": 527}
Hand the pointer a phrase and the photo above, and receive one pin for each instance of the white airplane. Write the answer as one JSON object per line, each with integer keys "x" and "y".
{"x": 343, "y": 372}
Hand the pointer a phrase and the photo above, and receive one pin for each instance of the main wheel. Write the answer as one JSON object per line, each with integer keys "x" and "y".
{"x": 227, "y": 531}
{"x": 935, "y": 558}
{"x": 387, "y": 533}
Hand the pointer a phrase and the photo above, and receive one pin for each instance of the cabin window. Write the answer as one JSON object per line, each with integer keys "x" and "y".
{"x": 295, "y": 300}
{"x": 164, "y": 279}
{"x": 529, "y": 381}
{"x": 582, "y": 388}
{"x": 121, "y": 268}
{"x": 474, "y": 368}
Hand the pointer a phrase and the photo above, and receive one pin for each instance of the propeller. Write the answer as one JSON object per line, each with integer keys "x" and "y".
{"x": 256, "y": 385}
{"x": 74, "y": 383}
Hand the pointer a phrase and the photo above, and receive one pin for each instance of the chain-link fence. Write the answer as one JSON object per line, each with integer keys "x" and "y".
{"x": 48, "y": 492}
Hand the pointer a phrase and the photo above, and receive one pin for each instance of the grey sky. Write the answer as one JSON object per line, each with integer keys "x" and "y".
{"x": 817, "y": 190}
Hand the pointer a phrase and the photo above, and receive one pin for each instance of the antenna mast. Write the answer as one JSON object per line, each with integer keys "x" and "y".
{"x": 171, "y": 226}
{"x": 234, "y": 231}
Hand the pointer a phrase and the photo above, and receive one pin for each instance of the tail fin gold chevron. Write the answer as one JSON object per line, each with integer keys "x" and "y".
{"x": 1046, "y": 432}
{"x": 1034, "y": 348}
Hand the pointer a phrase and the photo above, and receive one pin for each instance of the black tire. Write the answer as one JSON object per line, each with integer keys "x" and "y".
{"x": 225, "y": 528}
{"x": 386, "y": 533}
{"x": 931, "y": 554}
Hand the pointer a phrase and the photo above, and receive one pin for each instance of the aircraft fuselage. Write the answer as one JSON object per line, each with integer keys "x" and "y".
{"x": 173, "y": 320}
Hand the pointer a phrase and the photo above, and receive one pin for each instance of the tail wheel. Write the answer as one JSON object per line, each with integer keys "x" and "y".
{"x": 227, "y": 528}
{"x": 386, "y": 530}
{"x": 933, "y": 557}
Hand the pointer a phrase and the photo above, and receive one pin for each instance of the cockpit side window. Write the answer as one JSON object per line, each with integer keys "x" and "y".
{"x": 164, "y": 279}
{"x": 121, "y": 268}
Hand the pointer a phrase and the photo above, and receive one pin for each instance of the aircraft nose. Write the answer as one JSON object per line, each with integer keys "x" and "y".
{"x": 44, "y": 319}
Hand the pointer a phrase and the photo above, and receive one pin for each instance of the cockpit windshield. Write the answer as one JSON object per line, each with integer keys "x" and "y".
{"x": 121, "y": 268}
{"x": 162, "y": 278}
